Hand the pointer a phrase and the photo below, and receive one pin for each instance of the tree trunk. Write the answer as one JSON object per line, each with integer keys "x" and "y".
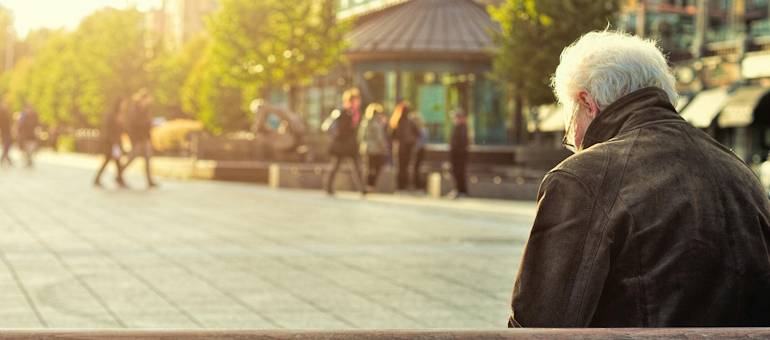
{"x": 518, "y": 120}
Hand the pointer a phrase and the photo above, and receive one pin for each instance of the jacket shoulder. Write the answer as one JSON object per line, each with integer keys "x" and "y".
{"x": 589, "y": 166}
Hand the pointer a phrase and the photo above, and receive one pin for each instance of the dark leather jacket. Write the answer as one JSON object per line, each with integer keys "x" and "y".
{"x": 653, "y": 224}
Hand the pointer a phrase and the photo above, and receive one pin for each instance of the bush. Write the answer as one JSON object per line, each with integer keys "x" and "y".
{"x": 174, "y": 135}
{"x": 65, "y": 143}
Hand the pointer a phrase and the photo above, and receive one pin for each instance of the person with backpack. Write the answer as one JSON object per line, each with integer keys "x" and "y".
{"x": 418, "y": 155}
{"x": 342, "y": 127}
{"x": 374, "y": 144}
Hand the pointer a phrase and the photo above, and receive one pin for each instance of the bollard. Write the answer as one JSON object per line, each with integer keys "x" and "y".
{"x": 434, "y": 185}
{"x": 274, "y": 176}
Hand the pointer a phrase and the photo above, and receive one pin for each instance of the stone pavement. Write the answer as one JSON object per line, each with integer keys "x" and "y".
{"x": 204, "y": 254}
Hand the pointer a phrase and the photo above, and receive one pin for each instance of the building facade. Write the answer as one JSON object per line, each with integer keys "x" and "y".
{"x": 177, "y": 21}
{"x": 433, "y": 53}
{"x": 720, "y": 53}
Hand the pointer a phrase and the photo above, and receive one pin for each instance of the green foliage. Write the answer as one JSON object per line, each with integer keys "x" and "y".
{"x": 274, "y": 43}
{"x": 217, "y": 104}
{"x": 168, "y": 72}
{"x": 534, "y": 32}
{"x": 73, "y": 77}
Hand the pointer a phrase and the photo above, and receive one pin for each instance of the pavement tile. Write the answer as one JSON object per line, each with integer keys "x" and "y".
{"x": 236, "y": 256}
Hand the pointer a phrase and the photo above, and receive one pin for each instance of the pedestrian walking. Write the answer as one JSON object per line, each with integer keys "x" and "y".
{"x": 371, "y": 135}
{"x": 458, "y": 153}
{"x": 342, "y": 125}
{"x": 139, "y": 126}
{"x": 651, "y": 223}
{"x": 5, "y": 132}
{"x": 405, "y": 136}
{"x": 111, "y": 147}
{"x": 418, "y": 155}
{"x": 27, "y": 123}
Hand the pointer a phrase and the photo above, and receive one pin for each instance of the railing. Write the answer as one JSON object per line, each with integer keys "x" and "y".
{"x": 596, "y": 333}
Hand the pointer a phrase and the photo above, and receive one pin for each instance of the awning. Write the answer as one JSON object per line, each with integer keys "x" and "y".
{"x": 704, "y": 107}
{"x": 739, "y": 110}
{"x": 551, "y": 119}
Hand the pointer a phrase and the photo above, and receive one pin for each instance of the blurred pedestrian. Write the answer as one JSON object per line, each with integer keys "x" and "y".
{"x": 139, "y": 126}
{"x": 342, "y": 126}
{"x": 405, "y": 136}
{"x": 458, "y": 153}
{"x": 111, "y": 147}
{"x": 5, "y": 131}
{"x": 373, "y": 144}
{"x": 28, "y": 122}
{"x": 418, "y": 155}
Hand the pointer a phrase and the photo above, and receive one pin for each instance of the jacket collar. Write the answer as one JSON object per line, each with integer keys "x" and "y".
{"x": 631, "y": 111}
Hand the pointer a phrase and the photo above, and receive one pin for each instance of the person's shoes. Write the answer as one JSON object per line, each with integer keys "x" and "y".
{"x": 461, "y": 196}
{"x": 122, "y": 184}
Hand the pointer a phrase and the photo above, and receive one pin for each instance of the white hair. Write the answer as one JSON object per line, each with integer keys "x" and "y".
{"x": 609, "y": 65}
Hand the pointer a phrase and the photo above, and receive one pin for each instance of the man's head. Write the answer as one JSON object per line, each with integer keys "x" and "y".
{"x": 600, "y": 68}
{"x": 458, "y": 116}
{"x": 351, "y": 98}
{"x": 143, "y": 97}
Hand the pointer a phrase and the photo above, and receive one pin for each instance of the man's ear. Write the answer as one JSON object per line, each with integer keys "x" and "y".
{"x": 586, "y": 100}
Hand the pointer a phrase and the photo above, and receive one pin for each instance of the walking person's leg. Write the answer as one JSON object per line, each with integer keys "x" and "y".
{"x": 107, "y": 158}
{"x": 135, "y": 151}
{"x": 355, "y": 172}
{"x": 458, "y": 170}
{"x": 7, "y": 141}
{"x": 404, "y": 155}
{"x": 416, "y": 175}
{"x": 366, "y": 161}
{"x": 374, "y": 169}
{"x": 147, "y": 156}
{"x": 333, "y": 167}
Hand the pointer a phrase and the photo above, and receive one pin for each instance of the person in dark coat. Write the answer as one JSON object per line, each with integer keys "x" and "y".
{"x": 418, "y": 155}
{"x": 458, "y": 152}
{"x": 28, "y": 122}
{"x": 405, "y": 137}
{"x": 110, "y": 140}
{"x": 5, "y": 131}
{"x": 139, "y": 126}
{"x": 651, "y": 223}
{"x": 344, "y": 145}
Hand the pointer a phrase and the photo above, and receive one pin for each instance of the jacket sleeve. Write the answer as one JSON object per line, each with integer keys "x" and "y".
{"x": 558, "y": 284}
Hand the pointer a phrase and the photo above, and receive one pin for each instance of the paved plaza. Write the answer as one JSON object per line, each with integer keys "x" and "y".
{"x": 204, "y": 254}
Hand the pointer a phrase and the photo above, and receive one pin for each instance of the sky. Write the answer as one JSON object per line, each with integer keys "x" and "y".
{"x": 32, "y": 14}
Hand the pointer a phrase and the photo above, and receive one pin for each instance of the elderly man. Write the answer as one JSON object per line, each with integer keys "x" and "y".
{"x": 651, "y": 223}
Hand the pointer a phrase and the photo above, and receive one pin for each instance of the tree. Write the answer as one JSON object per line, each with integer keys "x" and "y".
{"x": 72, "y": 77}
{"x": 534, "y": 32}
{"x": 275, "y": 43}
{"x": 168, "y": 72}
{"x": 219, "y": 105}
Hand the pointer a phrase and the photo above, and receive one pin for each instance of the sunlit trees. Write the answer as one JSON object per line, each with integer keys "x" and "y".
{"x": 533, "y": 34}
{"x": 275, "y": 43}
{"x": 219, "y": 105}
{"x": 72, "y": 78}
